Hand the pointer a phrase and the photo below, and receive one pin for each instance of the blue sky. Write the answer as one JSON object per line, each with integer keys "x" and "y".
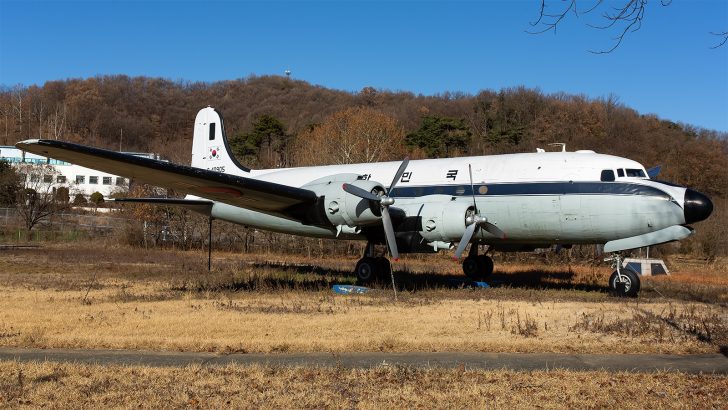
{"x": 665, "y": 68}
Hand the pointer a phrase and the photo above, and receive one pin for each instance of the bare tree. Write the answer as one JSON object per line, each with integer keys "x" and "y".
{"x": 623, "y": 19}
{"x": 18, "y": 94}
{"x": 359, "y": 134}
{"x": 57, "y": 121}
{"x": 38, "y": 200}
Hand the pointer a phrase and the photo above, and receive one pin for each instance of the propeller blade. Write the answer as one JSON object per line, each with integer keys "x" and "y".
{"x": 494, "y": 230}
{"x": 361, "y": 193}
{"x": 389, "y": 233}
{"x": 465, "y": 240}
{"x": 398, "y": 175}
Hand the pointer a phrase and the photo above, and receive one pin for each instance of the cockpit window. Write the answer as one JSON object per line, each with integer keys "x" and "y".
{"x": 637, "y": 173}
{"x": 607, "y": 175}
{"x": 620, "y": 172}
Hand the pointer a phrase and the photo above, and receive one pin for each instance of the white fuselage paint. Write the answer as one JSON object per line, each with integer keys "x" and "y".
{"x": 528, "y": 217}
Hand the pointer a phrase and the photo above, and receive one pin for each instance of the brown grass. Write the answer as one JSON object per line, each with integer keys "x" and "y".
{"x": 162, "y": 300}
{"x": 92, "y": 386}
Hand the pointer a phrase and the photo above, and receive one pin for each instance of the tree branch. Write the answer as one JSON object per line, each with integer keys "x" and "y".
{"x": 626, "y": 18}
{"x": 723, "y": 35}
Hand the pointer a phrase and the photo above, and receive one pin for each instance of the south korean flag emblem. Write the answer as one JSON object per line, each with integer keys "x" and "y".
{"x": 213, "y": 153}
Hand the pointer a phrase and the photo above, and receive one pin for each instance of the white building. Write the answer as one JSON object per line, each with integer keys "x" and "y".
{"x": 78, "y": 179}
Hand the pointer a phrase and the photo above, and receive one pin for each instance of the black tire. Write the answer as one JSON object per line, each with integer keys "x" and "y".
{"x": 367, "y": 270}
{"x": 473, "y": 269}
{"x": 384, "y": 267}
{"x": 486, "y": 265}
{"x": 631, "y": 283}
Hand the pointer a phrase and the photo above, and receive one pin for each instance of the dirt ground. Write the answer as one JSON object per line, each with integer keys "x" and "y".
{"x": 51, "y": 385}
{"x": 99, "y": 297}
{"x": 89, "y": 295}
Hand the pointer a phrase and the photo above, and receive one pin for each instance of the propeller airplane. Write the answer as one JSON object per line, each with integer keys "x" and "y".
{"x": 513, "y": 202}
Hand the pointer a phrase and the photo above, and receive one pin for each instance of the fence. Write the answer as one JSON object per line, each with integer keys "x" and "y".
{"x": 59, "y": 226}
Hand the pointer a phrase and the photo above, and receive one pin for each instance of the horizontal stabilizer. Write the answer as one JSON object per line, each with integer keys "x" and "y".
{"x": 673, "y": 233}
{"x": 197, "y": 205}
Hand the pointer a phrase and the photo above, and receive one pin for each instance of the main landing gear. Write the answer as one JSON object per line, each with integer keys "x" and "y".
{"x": 370, "y": 269}
{"x": 477, "y": 267}
{"x": 624, "y": 282}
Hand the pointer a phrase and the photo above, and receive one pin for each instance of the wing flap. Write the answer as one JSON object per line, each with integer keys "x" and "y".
{"x": 263, "y": 196}
{"x": 197, "y": 205}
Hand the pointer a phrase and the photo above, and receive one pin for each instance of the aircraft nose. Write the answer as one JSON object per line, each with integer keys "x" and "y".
{"x": 697, "y": 207}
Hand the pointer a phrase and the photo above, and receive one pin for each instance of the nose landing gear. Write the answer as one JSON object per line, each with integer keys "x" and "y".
{"x": 624, "y": 282}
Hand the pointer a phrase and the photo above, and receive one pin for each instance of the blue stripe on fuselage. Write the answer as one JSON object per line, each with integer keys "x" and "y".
{"x": 533, "y": 188}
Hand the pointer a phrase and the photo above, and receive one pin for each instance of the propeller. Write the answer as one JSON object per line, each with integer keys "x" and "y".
{"x": 475, "y": 221}
{"x": 384, "y": 202}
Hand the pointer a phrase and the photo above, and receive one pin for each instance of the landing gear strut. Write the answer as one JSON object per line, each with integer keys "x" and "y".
{"x": 624, "y": 282}
{"x": 477, "y": 267}
{"x": 369, "y": 269}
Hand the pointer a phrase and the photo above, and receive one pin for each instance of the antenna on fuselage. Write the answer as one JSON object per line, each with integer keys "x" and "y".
{"x": 556, "y": 144}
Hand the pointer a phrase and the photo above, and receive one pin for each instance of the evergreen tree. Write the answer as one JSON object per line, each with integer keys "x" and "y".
{"x": 265, "y": 144}
{"x": 9, "y": 184}
{"x": 440, "y": 136}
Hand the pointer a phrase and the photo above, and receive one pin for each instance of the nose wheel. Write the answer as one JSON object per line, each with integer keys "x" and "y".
{"x": 624, "y": 281}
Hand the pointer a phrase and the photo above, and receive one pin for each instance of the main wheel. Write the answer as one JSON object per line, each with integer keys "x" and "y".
{"x": 366, "y": 270}
{"x": 384, "y": 267}
{"x": 486, "y": 265}
{"x": 477, "y": 268}
{"x": 628, "y": 285}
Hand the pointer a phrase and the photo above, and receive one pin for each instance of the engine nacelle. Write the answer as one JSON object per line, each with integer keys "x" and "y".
{"x": 443, "y": 220}
{"x": 343, "y": 208}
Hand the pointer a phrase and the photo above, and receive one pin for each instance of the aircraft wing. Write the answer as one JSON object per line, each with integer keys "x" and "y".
{"x": 262, "y": 196}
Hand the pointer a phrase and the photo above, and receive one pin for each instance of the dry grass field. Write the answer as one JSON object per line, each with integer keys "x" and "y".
{"x": 93, "y": 296}
{"x": 91, "y": 386}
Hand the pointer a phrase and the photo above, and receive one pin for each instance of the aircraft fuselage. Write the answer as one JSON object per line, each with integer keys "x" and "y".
{"x": 535, "y": 198}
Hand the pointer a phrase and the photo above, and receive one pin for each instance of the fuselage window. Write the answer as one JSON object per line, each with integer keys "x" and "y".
{"x": 212, "y": 131}
{"x": 620, "y": 172}
{"x": 607, "y": 175}
{"x": 637, "y": 173}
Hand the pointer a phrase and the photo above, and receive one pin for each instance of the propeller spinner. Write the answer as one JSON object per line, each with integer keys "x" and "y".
{"x": 475, "y": 221}
{"x": 384, "y": 202}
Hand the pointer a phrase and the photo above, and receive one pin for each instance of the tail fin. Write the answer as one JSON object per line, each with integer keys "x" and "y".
{"x": 210, "y": 149}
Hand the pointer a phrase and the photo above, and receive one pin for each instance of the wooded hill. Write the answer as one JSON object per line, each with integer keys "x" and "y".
{"x": 275, "y": 121}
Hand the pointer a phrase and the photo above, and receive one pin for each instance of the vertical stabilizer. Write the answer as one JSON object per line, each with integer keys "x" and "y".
{"x": 210, "y": 149}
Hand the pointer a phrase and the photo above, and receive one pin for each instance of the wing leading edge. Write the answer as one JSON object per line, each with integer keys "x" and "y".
{"x": 267, "y": 197}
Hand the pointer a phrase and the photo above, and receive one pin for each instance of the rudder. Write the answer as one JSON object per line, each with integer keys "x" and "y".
{"x": 210, "y": 148}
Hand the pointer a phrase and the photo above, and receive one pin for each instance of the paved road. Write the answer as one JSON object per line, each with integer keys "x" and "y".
{"x": 705, "y": 363}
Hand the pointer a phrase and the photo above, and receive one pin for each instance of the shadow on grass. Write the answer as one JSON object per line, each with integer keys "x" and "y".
{"x": 275, "y": 276}
{"x": 527, "y": 279}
